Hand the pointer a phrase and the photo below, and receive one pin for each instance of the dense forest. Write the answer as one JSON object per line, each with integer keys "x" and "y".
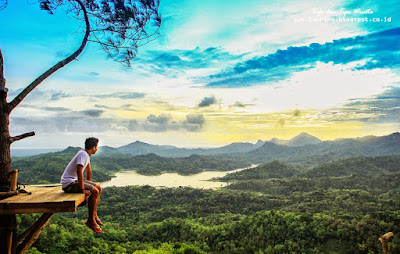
{"x": 184, "y": 220}
{"x": 342, "y": 206}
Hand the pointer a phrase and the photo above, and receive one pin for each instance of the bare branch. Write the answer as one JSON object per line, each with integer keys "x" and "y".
{"x": 17, "y": 100}
{"x": 3, "y": 4}
{"x": 16, "y": 138}
{"x": 3, "y": 88}
{"x": 2, "y": 79}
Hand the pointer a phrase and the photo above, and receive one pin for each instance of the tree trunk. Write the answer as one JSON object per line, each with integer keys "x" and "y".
{"x": 5, "y": 141}
{"x": 5, "y": 157}
{"x": 6, "y": 108}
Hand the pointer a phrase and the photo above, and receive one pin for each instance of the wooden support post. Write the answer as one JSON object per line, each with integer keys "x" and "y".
{"x": 8, "y": 230}
{"x": 33, "y": 233}
{"x": 14, "y": 177}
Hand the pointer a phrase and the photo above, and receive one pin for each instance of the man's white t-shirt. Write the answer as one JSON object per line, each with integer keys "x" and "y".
{"x": 70, "y": 174}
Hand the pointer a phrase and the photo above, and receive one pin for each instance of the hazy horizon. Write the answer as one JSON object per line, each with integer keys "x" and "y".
{"x": 101, "y": 144}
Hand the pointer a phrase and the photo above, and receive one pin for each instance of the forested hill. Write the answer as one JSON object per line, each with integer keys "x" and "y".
{"x": 365, "y": 166}
{"x": 376, "y": 175}
{"x": 327, "y": 151}
{"x": 48, "y": 168}
{"x": 357, "y": 166}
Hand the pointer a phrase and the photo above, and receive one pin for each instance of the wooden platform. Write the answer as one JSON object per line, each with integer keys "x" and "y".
{"x": 43, "y": 199}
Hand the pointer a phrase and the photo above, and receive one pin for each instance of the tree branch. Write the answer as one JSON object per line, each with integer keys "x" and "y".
{"x": 17, "y": 100}
{"x": 16, "y": 138}
{"x": 2, "y": 79}
{"x": 3, "y": 4}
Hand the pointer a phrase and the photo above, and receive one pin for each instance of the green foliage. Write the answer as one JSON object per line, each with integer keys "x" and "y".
{"x": 376, "y": 175}
{"x": 340, "y": 207}
{"x": 357, "y": 165}
{"x": 184, "y": 220}
{"x": 274, "y": 169}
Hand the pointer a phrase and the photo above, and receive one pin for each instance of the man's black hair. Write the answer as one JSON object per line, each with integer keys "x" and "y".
{"x": 91, "y": 142}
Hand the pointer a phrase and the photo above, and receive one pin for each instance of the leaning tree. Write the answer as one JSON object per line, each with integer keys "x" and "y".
{"x": 118, "y": 26}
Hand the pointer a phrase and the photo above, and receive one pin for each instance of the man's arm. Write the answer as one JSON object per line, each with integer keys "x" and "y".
{"x": 80, "y": 181}
{"x": 80, "y": 177}
{"x": 89, "y": 172}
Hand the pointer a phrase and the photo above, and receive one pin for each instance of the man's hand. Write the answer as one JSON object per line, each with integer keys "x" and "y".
{"x": 86, "y": 192}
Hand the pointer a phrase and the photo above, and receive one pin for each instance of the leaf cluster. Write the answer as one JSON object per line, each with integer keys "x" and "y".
{"x": 119, "y": 26}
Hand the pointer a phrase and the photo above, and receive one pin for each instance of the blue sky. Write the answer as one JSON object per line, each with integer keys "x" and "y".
{"x": 222, "y": 72}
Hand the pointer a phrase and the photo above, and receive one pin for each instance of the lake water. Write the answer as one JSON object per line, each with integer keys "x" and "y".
{"x": 170, "y": 180}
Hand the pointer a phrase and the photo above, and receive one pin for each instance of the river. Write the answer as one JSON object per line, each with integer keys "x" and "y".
{"x": 170, "y": 180}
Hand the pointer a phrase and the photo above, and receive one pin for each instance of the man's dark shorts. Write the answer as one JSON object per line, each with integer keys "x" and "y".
{"x": 74, "y": 187}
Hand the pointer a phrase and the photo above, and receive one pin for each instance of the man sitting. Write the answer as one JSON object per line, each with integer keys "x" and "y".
{"x": 72, "y": 181}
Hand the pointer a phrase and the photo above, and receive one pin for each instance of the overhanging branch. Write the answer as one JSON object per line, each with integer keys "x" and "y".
{"x": 17, "y": 100}
{"x": 16, "y": 138}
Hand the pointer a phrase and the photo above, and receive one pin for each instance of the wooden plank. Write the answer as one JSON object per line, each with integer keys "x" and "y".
{"x": 38, "y": 210}
{"x": 42, "y": 199}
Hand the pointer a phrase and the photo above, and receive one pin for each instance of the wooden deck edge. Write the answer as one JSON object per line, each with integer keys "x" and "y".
{"x": 39, "y": 210}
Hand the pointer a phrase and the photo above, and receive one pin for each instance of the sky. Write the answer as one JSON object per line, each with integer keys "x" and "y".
{"x": 221, "y": 72}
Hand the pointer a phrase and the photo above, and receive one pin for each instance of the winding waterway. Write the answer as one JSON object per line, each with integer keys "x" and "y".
{"x": 170, "y": 180}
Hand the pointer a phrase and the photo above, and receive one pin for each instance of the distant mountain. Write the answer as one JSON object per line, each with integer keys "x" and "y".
{"x": 278, "y": 141}
{"x": 30, "y": 152}
{"x": 326, "y": 151}
{"x": 303, "y": 149}
{"x": 260, "y": 143}
{"x": 303, "y": 139}
{"x": 71, "y": 150}
{"x": 141, "y": 148}
{"x": 236, "y": 147}
{"x": 107, "y": 150}
{"x": 300, "y": 140}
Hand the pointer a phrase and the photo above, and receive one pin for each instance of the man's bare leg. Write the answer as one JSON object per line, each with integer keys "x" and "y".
{"x": 97, "y": 203}
{"x": 93, "y": 199}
